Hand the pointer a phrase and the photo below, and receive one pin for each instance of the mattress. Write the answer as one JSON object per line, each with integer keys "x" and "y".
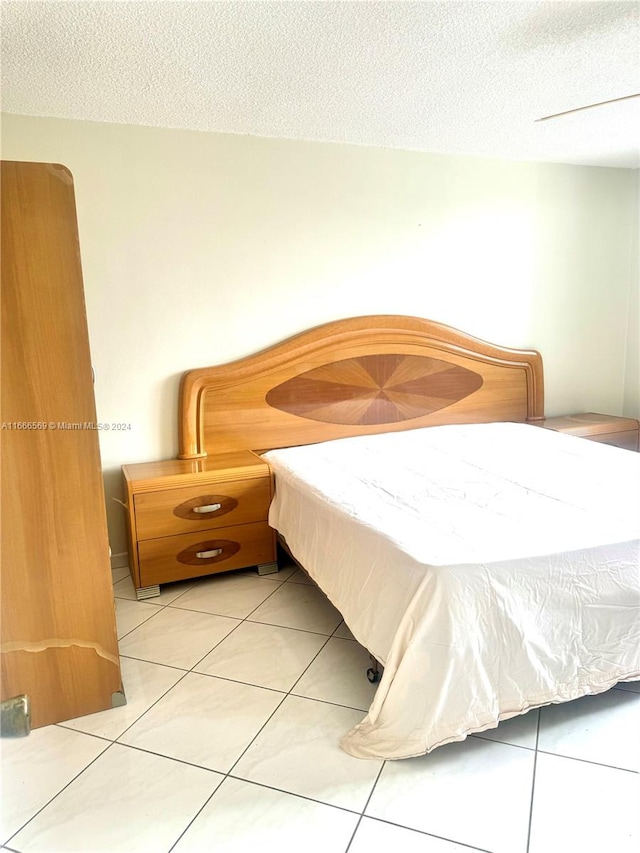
{"x": 492, "y": 568}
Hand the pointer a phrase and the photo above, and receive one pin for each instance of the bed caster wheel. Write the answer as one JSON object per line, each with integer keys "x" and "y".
{"x": 373, "y": 675}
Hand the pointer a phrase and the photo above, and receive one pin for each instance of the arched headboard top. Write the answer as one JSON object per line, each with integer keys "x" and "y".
{"x": 356, "y": 376}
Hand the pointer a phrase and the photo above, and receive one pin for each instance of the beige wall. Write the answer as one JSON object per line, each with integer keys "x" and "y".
{"x": 631, "y": 405}
{"x": 200, "y": 248}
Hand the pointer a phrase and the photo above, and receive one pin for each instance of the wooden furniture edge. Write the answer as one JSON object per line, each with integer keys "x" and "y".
{"x": 590, "y": 423}
{"x": 409, "y": 330}
{"x": 145, "y": 478}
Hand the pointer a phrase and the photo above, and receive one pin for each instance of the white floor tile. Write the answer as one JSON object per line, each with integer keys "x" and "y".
{"x": 144, "y": 683}
{"x": 300, "y": 576}
{"x": 285, "y": 570}
{"x": 168, "y": 592}
{"x": 176, "y": 637}
{"x": 603, "y": 728}
{"x": 584, "y": 807}
{"x": 130, "y": 614}
{"x": 298, "y": 751}
{"x": 241, "y": 817}
{"x": 477, "y": 792}
{"x": 204, "y": 720}
{"x": 229, "y": 594}
{"x": 474, "y": 793}
{"x": 339, "y": 674}
{"x": 375, "y": 836}
{"x": 126, "y": 801}
{"x": 35, "y": 768}
{"x": 265, "y": 655}
{"x": 296, "y": 605}
{"x": 124, "y": 588}
{"x": 343, "y": 632}
{"x": 519, "y": 731}
{"x": 120, "y": 573}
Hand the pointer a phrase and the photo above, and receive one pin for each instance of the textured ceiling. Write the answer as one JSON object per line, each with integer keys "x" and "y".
{"x": 455, "y": 77}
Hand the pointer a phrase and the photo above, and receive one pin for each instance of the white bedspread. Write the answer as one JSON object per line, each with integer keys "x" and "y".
{"x": 491, "y": 568}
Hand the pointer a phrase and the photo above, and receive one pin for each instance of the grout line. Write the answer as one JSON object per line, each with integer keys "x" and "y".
{"x": 215, "y": 646}
{"x": 146, "y": 711}
{"x": 287, "y": 694}
{"x": 229, "y": 775}
{"x": 257, "y": 734}
{"x": 304, "y": 630}
{"x": 236, "y": 681}
{"x": 245, "y": 619}
{"x": 68, "y": 728}
{"x": 533, "y": 781}
{"x": 309, "y": 665}
{"x": 154, "y": 663}
{"x": 427, "y": 834}
{"x": 158, "y": 609}
{"x": 292, "y": 794}
{"x": 197, "y": 814}
{"x": 587, "y": 761}
{"x": 240, "y": 622}
{"x": 169, "y": 757}
{"x": 373, "y": 787}
{"x": 479, "y": 736}
{"x": 70, "y": 782}
{"x": 142, "y": 714}
{"x": 334, "y": 704}
{"x": 209, "y": 651}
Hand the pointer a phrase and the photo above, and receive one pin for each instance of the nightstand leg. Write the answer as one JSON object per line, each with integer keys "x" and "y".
{"x": 267, "y": 568}
{"x": 148, "y": 591}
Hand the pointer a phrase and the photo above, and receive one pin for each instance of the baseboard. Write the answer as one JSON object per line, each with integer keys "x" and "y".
{"x": 120, "y": 561}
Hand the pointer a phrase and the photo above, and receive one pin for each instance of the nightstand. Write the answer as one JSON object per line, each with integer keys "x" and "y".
{"x": 188, "y": 518}
{"x": 608, "y": 429}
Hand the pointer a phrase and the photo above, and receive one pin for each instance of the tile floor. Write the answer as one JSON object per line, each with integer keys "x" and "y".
{"x": 239, "y": 688}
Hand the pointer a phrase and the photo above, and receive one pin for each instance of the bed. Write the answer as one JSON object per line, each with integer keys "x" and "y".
{"x": 490, "y": 566}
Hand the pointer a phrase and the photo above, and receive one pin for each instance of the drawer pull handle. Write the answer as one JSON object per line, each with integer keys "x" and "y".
{"x": 208, "y": 551}
{"x": 207, "y": 508}
{"x": 202, "y": 508}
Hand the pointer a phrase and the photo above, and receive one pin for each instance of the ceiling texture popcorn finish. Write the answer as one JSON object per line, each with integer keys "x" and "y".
{"x": 452, "y": 77}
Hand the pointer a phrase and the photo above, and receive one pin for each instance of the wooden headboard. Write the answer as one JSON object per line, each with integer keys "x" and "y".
{"x": 355, "y": 377}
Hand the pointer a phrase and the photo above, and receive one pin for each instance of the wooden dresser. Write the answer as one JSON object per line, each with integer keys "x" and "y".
{"x": 188, "y": 518}
{"x": 608, "y": 429}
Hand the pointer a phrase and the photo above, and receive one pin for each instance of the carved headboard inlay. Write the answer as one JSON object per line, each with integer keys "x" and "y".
{"x": 356, "y": 376}
{"x": 377, "y": 389}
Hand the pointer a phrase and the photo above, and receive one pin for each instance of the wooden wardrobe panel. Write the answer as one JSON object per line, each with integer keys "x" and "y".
{"x": 58, "y": 631}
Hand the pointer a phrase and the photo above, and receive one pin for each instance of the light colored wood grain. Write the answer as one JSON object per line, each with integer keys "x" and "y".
{"x": 589, "y": 423}
{"x": 607, "y": 429}
{"x": 226, "y": 408}
{"x": 58, "y": 620}
{"x": 154, "y": 489}
{"x": 159, "y": 561}
{"x": 163, "y": 513}
{"x": 350, "y": 377}
{"x": 627, "y": 439}
{"x": 169, "y": 473}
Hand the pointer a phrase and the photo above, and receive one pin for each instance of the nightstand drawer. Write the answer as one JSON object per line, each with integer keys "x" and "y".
{"x": 173, "y": 558}
{"x": 188, "y": 510}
